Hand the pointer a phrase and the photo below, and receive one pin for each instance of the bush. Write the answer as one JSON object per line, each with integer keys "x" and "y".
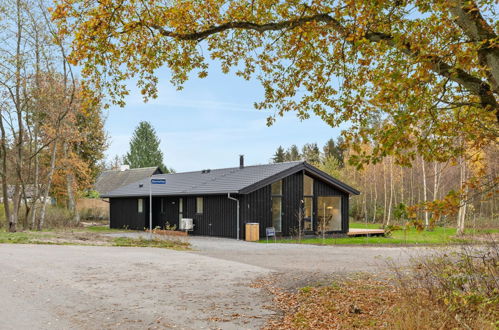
{"x": 455, "y": 290}
{"x": 58, "y": 217}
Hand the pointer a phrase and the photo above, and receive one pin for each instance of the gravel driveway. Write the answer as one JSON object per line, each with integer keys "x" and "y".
{"x": 93, "y": 287}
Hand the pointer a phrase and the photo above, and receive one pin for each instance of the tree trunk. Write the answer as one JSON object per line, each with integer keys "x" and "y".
{"x": 384, "y": 192}
{"x": 391, "y": 194}
{"x": 425, "y": 197}
{"x": 461, "y": 215}
{"x": 69, "y": 187}
{"x": 375, "y": 200}
{"x": 46, "y": 193}
{"x": 3, "y": 173}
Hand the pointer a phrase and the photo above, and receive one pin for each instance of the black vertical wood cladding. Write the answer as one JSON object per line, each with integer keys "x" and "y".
{"x": 123, "y": 213}
{"x": 169, "y": 214}
{"x": 292, "y": 195}
{"x": 219, "y": 212}
{"x": 256, "y": 207}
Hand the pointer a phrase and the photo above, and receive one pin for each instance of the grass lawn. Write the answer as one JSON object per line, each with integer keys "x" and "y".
{"x": 88, "y": 236}
{"x": 439, "y": 235}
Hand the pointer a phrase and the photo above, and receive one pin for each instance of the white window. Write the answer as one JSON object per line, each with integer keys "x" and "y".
{"x": 276, "y": 190}
{"x": 140, "y": 205}
{"x": 199, "y": 205}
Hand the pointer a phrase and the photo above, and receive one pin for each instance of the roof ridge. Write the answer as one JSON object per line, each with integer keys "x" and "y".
{"x": 237, "y": 167}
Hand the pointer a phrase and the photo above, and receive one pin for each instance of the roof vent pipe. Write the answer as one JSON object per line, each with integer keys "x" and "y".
{"x": 241, "y": 161}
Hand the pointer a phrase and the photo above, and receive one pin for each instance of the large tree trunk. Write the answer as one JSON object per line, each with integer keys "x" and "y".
{"x": 3, "y": 174}
{"x": 18, "y": 107}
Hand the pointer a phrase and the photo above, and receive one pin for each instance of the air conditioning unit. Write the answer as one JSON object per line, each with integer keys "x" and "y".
{"x": 186, "y": 224}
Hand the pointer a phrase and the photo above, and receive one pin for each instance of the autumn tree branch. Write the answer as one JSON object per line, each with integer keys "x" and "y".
{"x": 471, "y": 83}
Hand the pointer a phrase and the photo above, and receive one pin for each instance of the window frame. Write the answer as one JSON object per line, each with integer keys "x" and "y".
{"x": 199, "y": 201}
{"x": 180, "y": 209}
{"x": 275, "y": 197}
{"x": 140, "y": 205}
{"x": 311, "y": 197}
{"x": 339, "y": 200}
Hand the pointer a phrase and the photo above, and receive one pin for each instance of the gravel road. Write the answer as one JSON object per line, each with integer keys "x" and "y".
{"x": 97, "y": 287}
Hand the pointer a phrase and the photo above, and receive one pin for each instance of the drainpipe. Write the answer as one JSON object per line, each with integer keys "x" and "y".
{"x": 237, "y": 200}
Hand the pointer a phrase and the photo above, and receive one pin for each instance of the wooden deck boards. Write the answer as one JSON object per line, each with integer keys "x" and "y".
{"x": 365, "y": 232}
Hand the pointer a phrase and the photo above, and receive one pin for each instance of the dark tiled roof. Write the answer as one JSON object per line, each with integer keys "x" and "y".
{"x": 114, "y": 179}
{"x": 222, "y": 181}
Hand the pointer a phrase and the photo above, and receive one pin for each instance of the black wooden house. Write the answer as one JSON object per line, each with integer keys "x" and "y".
{"x": 222, "y": 201}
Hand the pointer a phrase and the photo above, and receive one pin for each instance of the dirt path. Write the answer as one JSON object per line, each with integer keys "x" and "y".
{"x": 61, "y": 287}
{"x": 102, "y": 287}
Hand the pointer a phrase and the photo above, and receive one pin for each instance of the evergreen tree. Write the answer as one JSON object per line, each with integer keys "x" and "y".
{"x": 144, "y": 148}
{"x": 279, "y": 156}
{"x": 335, "y": 150}
{"x": 311, "y": 153}
{"x": 293, "y": 153}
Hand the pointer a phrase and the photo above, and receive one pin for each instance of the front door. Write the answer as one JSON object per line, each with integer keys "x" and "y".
{"x": 329, "y": 213}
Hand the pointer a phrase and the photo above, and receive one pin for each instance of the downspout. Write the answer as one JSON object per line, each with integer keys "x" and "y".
{"x": 237, "y": 216}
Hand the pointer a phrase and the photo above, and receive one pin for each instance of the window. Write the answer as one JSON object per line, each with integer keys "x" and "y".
{"x": 140, "y": 205}
{"x": 276, "y": 189}
{"x": 199, "y": 205}
{"x": 277, "y": 213}
{"x": 308, "y": 186}
{"x": 180, "y": 209}
{"x": 329, "y": 210}
{"x": 308, "y": 203}
{"x": 308, "y": 208}
{"x": 162, "y": 205}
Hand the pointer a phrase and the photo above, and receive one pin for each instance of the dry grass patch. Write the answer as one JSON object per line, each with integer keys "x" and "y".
{"x": 457, "y": 290}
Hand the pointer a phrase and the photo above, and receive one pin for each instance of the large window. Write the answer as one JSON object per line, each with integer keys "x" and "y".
{"x": 329, "y": 210}
{"x": 199, "y": 205}
{"x": 308, "y": 203}
{"x": 276, "y": 188}
{"x": 140, "y": 205}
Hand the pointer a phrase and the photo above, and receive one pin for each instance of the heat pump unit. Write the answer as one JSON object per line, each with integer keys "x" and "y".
{"x": 186, "y": 224}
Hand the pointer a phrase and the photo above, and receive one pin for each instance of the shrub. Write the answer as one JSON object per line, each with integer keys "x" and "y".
{"x": 454, "y": 290}
{"x": 58, "y": 217}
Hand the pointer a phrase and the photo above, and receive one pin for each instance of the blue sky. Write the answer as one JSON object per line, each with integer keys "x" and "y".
{"x": 210, "y": 122}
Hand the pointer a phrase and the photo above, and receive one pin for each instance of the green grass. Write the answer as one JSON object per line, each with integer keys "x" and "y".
{"x": 45, "y": 237}
{"x": 438, "y": 236}
{"x": 156, "y": 243}
{"x": 22, "y": 237}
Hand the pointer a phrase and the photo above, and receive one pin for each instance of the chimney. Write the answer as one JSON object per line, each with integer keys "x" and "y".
{"x": 241, "y": 161}
{"x": 124, "y": 168}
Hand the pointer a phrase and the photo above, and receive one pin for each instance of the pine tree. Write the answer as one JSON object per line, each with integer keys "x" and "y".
{"x": 144, "y": 148}
{"x": 293, "y": 153}
{"x": 311, "y": 153}
{"x": 334, "y": 149}
{"x": 279, "y": 155}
